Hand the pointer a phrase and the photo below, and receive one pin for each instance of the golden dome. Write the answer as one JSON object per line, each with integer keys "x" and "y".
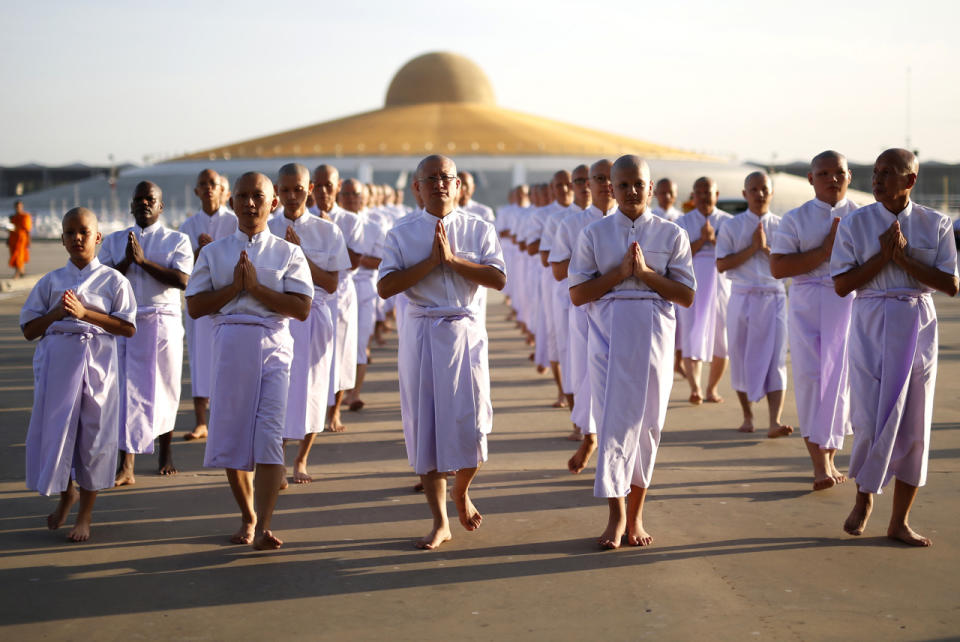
{"x": 439, "y": 77}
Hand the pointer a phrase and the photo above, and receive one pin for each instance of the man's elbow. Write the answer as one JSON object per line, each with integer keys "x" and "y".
{"x": 954, "y": 287}
{"x": 193, "y": 309}
{"x": 841, "y": 288}
{"x": 723, "y": 265}
{"x": 776, "y": 266}
{"x": 301, "y": 311}
{"x": 182, "y": 280}
{"x": 127, "y": 330}
{"x": 499, "y": 280}
{"x": 686, "y": 297}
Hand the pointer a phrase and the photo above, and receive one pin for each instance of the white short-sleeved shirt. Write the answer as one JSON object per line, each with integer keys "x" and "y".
{"x": 320, "y": 240}
{"x": 481, "y": 210}
{"x": 671, "y": 214}
{"x": 221, "y": 223}
{"x": 929, "y": 240}
{"x": 565, "y": 238}
{"x": 533, "y": 225}
{"x": 97, "y": 286}
{"x": 281, "y": 266}
{"x": 803, "y": 229}
{"x": 603, "y": 244}
{"x": 411, "y": 241}
{"x": 692, "y": 222}
{"x": 502, "y": 221}
{"x": 160, "y": 245}
{"x": 737, "y": 234}
{"x": 552, "y": 225}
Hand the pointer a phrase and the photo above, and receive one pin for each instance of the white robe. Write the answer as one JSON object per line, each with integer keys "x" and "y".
{"x": 756, "y": 312}
{"x": 151, "y": 361}
{"x": 893, "y": 344}
{"x": 442, "y": 360}
{"x": 704, "y": 323}
{"x": 200, "y": 331}
{"x": 252, "y": 349}
{"x": 75, "y": 421}
{"x": 365, "y": 280}
{"x": 819, "y": 323}
{"x": 631, "y": 331}
{"x": 565, "y": 240}
{"x": 314, "y": 339}
{"x": 345, "y": 352}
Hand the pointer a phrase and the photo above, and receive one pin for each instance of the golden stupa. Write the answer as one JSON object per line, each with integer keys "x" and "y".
{"x": 440, "y": 103}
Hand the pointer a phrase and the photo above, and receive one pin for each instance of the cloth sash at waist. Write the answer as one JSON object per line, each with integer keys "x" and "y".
{"x": 743, "y": 288}
{"x": 441, "y": 313}
{"x": 633, "y": 295}
{"x": 270, "y": 323}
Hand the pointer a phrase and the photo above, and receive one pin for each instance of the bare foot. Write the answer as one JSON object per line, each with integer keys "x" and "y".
{"x": 168, "y": 468}
{"x": 284, "y": 484}
{"x": 576, "y": 435}
{"x": 356, "y": 405}
{"x": 857, "y": 519}
{"x": 337, "y": 426}
{"x": 80, "y": 532}
{"x": 418, "y": 487}
{"x": 266, "y": 541}
{"x": 578, "y": 462}
{"x": 636, "y": 536}
{"x": 746, "y": 426}
{"x": 714, "y": 398}
{"x": 434, "y": 539}
{"x": 837, "y": 475}
{"x": 541, "y": 369}
{"x": 781, "y": 430}
{"x": 560, "y": 403}
{"x": 823, "y": 483}
{"x": 300, "y": 474}
{"x": 124, "y": 478}
{"x": 695, "y": 398}
{"x": 56, "y": 519}
{"x": 200, "y": 432}
{"x": 470, "y": 517}
{"x": 244, "y": 535}
{"x": 907, "y": 535}
{"x": 610, "y": 538}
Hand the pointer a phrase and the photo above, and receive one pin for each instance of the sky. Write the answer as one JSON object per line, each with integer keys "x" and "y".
{"x": 766, "y": 81}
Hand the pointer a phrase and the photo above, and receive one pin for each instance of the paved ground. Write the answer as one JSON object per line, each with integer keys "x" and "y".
{"x": 743, "y": 549}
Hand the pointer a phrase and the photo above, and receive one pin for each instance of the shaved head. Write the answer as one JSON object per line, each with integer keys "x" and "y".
{"x": 902, "y": 158}
{"x": 436, "y": 159}
{"x": 80, "y": 214}
{"x": 326, "y": 171}
{"x": 828, "y": 156}
{"x": 707, "y": 182}
{"x": 631, "y": 161}
{"x": 252, "y": 178}
{"x": 755, "y": 176}
{"x": 295, "y": 169}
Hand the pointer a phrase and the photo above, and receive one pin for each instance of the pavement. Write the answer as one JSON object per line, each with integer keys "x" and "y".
{"x": 743, "y": 549}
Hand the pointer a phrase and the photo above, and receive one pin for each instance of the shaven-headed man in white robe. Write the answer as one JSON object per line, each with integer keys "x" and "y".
{"x": 666, "y": 193}
{"x": 326, "y": 189}
{"x": 314, "y": 339}
{"x": 895, "y": 253}
{"x": 559, "y": 250}
{"x": 630, "y": 267}
{"x": 250, "y": 282}
{"x": 583, "y": 414}
{"x": 214, "y": 221}
{"x": 438, "y": 257}
{"x": 757, "y": 312}
{"x": 704, "y": 323}
{"x": 157, "y": 262}
{"x": 77, "y": 312}
{"x": 819, "y": 320}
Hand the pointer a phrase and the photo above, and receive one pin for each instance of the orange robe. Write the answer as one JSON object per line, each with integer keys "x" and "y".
{"x": 19, "y": 240}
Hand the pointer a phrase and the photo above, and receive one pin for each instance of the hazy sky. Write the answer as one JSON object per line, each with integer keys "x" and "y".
{"x": 82, "y": 80}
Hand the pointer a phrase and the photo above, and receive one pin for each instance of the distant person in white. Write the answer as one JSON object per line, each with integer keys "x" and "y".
{"x": 757, "y": 312}
{"x": 819, "y": 320}
{"x": 214, "y": 221}
{"x": 438, "y": 257}
{"x": 895, "y": 253}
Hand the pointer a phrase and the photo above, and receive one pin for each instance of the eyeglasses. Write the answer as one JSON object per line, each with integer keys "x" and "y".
{"x": 579, "y": 181}
{"x": 445, "y": 178}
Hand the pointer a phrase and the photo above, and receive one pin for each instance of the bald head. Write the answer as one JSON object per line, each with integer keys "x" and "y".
{"x": 601, "y": 190}
{"x": 830, "y": 176}
{"x": 580, "y": 179}
{"x": 630, "y": 176}
{"x": 705, "y": 194}
{"x": 326, "y": 186}
{"x": 758, "y": 190}
{"x": 829, "y": 157}
{"x": 146, "y": 204}
{"x": 665, "y": 192}
{"x": 562, "y": 188}
{"x": 437, "y": 184}
{"x": 81, "y": 214}
{"x": 209, "y": 190}
{"x": 294, "y": 169}
{"x": 467, "y": 187}
{"x": 904, "y": 159}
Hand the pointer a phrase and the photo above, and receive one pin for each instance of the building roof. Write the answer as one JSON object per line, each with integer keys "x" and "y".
{"x": 440, "y": 103}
